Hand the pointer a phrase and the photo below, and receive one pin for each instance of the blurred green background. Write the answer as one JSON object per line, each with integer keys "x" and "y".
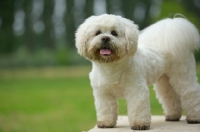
{"x": 44, "y": 85}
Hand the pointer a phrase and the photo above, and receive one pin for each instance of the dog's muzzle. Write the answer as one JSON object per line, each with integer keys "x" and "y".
{"x": 105, "y": 46}
{"x": 105, "y": 39}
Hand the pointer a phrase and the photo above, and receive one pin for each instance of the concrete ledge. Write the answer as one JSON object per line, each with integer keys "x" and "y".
{"x": 158, "y": 124}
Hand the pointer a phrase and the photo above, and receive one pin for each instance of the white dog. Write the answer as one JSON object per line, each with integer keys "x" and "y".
{"x": 125, "y": 62}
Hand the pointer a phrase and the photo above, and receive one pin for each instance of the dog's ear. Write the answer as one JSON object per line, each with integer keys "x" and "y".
{"x": 81, "y": 36}
{"x": 131, "y": 33}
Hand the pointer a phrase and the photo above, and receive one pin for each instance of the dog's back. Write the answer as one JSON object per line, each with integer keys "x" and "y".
{"x": 176, "y": 36}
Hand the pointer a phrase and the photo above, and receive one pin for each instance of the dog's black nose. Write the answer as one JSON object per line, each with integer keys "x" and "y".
{"x": 105, "y": 39}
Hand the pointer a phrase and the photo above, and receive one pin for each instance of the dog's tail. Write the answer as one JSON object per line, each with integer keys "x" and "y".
{"x": 176, "y": 36}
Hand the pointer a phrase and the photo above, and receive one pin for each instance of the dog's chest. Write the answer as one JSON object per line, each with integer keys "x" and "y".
{"x": 110, "y": 83}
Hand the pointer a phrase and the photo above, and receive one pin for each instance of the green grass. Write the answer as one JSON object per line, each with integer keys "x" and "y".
{"x": 46, "y": 100}
{"x": 51, "y": 100}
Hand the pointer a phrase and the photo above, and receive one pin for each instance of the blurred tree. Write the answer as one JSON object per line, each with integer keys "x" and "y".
{"x": 49, "y": 39}
{"x": 128, "y": 8}
{"x": 70, "y": 23}
{"x": 192, "y": 6}
{"x": 89, "y": 8}
{"x": 138, "y": 11}
{"x": 108, "y": 6}
{"x": 33, "y": 27}
{"x": 145, "y": 22}
{"x": 7, "y": 42}
{"x": 29, "y": 33}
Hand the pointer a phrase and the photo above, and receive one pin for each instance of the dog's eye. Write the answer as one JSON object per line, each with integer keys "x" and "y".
{"x": 98, "y": 32}
{"x": 114, "y": 33}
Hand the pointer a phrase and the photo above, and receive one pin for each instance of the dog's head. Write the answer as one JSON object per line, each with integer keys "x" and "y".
{"x": 107, "y": 38}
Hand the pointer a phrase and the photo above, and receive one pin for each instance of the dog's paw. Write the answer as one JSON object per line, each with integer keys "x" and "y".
{"x": 193, "y": 119}
{"x": 101, "y": 124}
{"x": 190, "y": 121}
{"x": 140, "y": 127}
{"x": 172, "y": 118}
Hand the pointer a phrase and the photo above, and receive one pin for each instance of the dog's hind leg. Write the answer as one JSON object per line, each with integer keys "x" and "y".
{"x": 169, "y": 99}
{"x": 185, "y": 83}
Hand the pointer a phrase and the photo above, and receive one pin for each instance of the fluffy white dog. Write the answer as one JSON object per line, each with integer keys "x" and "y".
{"x": 125, "y": 62}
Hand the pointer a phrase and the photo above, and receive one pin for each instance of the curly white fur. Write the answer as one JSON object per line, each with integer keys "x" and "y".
{"x": 161, "y": 54}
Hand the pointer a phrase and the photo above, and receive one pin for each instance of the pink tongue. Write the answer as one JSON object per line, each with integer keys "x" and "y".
{"x": 105, "y": 51}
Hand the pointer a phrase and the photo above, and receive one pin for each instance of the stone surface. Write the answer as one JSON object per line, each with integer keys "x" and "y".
{"x": 158, "y": 124}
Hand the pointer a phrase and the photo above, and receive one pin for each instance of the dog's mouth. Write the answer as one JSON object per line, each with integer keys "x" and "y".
{"x": 105, "y": 54}
{"x": 105, "y": 51}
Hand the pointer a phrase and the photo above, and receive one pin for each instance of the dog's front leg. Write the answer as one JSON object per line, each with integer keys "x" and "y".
{"x": 138, "y": 107}
{"x": 106, "y": 108}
